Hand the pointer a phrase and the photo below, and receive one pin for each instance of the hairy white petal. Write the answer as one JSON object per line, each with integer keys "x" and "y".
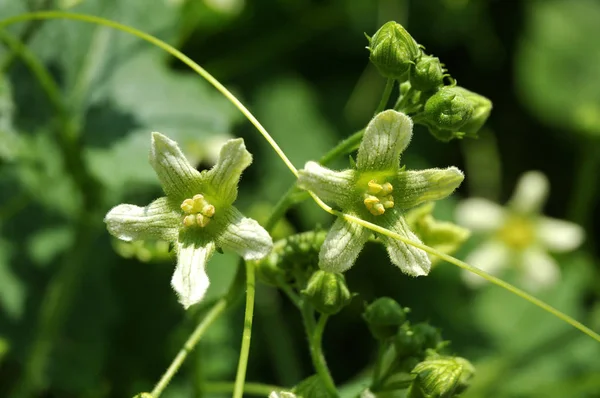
{"x": 158, "y": 220}
{"x": 226, "y": 173}
{"x": 558, "y": 235}
{"x": 418, "y": 186}
{"x": 177, "y": 177}
{"x": 386, "y": 136}
{"x": 245, "y": 236}
{"x": 480, "y": 214}
{"x": 343, "y": 243}
{"x": 189, "y": 280}
{"x": 329, "y": 185}
{"x": 411, "y": 260}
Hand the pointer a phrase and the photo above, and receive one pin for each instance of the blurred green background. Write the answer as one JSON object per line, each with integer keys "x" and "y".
{"x": 79, "y": 320}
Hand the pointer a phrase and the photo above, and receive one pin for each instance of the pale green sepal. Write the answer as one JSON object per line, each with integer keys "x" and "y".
{"x": 244, "y": 236}
{"x": 158, "y": 220}
{"x": 177, "y": 177}
{"x": 409, "y": 259}
{"x": 386, "y": 136}
{"x": 419, "y": 186}
{"x": 343, "y": 243}
{"x": 530, "y": 194}
{"x": 226, "y": 173}
{"x": 329, "y": 185}
{"x": 189, "y": 280}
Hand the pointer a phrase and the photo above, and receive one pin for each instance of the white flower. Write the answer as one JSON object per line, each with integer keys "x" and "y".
{"x": 197, "y": 214}
{"x": 518, "y": 235}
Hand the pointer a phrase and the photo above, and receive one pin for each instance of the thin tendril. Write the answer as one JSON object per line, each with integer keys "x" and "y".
{"x": 240, "y": 378}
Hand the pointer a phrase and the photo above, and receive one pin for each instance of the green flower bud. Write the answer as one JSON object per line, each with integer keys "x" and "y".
{"x": 393, "y": 50}
{"x": 384, "y": 316}
{"x": 430, "y": 336}
{"x": 407, "y": 343}
{"x": 481, "y": 111}
{"x": 427, "y": 74}
{"x": 327, "y": 292}
{"x": 441, "y": 376}
{"x": 448, "y": 109}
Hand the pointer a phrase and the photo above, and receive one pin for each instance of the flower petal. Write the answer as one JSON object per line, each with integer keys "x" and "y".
{"x": 411, "y": 260}
{"x": 329, "y": 185}
{"x": 386, "y": 136}
{"x": 177, "y": 177}
{"x": 539, "y": 269}
{"x": 530, "y": 194}
{"x": 418, "y": 186}
{"x": 480, "y": 214}
{"x": 189, "y": 280}
{"x": 343, "y": 243}
{"x": 226, "y": 173}
{"x": 558, "y": 235}
{"x": 158, "y": 220}
{"x": 244, "y": 236}
{"x": 490, "y": 257}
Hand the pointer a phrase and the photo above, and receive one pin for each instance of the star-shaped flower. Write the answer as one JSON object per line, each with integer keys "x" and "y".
{"x": 518, "y": 234}
{"x": 196, "y": 213}
{"x": 379, "y": 191}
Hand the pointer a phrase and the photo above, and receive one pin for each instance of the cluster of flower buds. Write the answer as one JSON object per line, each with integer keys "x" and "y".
{"x": 447, "y": 110}
{"x": 415, "y": 353}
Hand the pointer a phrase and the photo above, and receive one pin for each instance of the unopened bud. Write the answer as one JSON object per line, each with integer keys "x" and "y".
{"x": 481, "y": 111}
{"x": 384, "y": 316}
{"x": 327, "y": 292}
{"x": 441, "y": 377}
{"x": 393, "y": 50}
{"x": 427, "y": 73}
{"x": 448, "y": 109}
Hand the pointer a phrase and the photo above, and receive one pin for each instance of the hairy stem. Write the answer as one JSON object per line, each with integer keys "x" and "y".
{"x": 389, "y": 86}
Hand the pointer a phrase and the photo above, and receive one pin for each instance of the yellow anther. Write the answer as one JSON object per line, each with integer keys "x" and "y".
{"x": 198, "y": 210}
{"x": 189, "y": 220}
{"x": 378, "y": 197}
{"x": 187, "y": 206}
{"x": 386, "y": 189}
{"x": 374, "y": 188}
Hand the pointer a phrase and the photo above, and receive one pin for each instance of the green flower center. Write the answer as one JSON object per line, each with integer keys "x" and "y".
{"x": 378, "y": 197}
{"x": 517, "y": 232}
{"x": 198, "y": 211}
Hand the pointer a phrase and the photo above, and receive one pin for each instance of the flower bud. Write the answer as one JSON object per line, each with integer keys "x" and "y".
{"x": 407, "y": 343}
{"x": 481, "y": 111}
{"x": 427, "y": 74}
{"x": 393, "y": 50}
{"x": 430, "y": 336}
{"x": 327, "y": 292}
{"x": 441, "y": 377}
{"x": 448, "y": 109}
{"x": 384, "y": 316}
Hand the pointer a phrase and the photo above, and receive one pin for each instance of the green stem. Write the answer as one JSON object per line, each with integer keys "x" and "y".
{"x": 217, "y": 309}
{"x": 280, "y": 208}
{"x": 344, "y": 147}
{"x": 379, "y": 362}
{"x": 258, "y": 389}
{"x": 314, "y": 332}
{"x": 240, "y": 377}
{"x": 389, "y": 86}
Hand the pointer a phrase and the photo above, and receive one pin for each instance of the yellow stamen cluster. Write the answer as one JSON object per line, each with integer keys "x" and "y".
{"x": 517, "y": 232}
{"x": 378, "y": 197}
{"x": 198, "y": 211}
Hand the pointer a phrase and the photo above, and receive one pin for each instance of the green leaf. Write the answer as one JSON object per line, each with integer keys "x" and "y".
{"x": 12, "y": 289}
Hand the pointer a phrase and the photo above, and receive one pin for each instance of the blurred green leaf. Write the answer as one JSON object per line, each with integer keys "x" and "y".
{"x": 45, "y": 245}
{"x": 9, "y": 141}
{"x": 12, "y": 289}
{"x": 557, "y": 63}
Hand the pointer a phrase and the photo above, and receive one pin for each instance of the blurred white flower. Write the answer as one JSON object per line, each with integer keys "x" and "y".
{"x": 518, "y": 235}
